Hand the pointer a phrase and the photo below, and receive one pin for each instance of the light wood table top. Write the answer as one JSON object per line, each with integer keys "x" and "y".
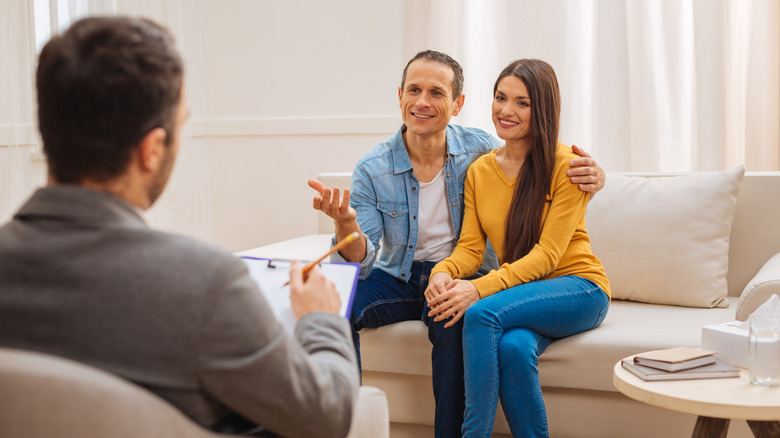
{"x": 715, "y": 401}
{"x": 733, "y": 398}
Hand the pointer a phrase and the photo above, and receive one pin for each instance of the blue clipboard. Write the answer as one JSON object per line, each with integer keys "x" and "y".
{"x": 271, "y": 274}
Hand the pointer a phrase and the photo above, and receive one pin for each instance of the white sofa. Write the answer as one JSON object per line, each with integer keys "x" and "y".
{"x": 576, "y": 372}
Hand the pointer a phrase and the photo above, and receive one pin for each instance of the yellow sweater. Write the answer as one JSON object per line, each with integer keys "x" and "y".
{"x": 564, "y": 245}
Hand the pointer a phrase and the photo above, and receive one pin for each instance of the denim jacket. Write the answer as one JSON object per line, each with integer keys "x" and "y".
{"x": 385, "y": 195}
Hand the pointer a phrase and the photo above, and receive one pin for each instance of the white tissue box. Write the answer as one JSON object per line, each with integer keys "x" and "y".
{"x": 729, "y": 340}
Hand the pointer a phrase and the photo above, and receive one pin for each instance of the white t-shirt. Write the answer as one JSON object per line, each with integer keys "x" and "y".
{"x": 435, "y": 233}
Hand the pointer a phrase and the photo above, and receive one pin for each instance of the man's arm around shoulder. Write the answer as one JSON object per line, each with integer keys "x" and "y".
{"x": 586, "y": 172}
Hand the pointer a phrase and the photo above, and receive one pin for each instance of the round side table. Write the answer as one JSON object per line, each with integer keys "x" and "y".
{"x": 715, "y": 401}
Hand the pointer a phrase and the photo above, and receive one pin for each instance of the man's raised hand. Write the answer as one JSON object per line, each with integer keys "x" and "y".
{"x": 331, "y": 202}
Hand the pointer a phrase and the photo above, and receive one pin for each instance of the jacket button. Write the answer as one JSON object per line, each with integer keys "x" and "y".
{"x": 448, "y": 175}
{"x": 394, "y": 212}
{"x": 403, "y": 275}
{"x": 410, "y": 246}
{"x": 453, "y": 204}
{"x": 414, "y": 188}
{"x": 414, "y": 217}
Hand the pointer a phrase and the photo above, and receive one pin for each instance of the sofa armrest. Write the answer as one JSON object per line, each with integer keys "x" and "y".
{"x": 765, "y": 284}
{"x": 305, "y": 248}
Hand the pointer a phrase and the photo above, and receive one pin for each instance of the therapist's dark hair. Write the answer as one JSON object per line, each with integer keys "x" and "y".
{"x": 444, "y": 59}
{"x": 524, "y": 220}
{"x": 102, "y": 86}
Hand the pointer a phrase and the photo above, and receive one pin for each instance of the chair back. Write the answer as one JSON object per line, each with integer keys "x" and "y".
{"x": 44, "y": 396}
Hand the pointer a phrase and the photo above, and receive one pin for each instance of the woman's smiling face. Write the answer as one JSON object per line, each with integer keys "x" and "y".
{"x": 512, "y": 110}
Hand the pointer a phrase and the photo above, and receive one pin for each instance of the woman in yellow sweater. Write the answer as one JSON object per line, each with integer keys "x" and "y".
{"x": 549, "y": 286}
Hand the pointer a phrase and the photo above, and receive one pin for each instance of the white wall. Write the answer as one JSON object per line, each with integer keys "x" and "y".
{"x": 292, "y": 89}
{"x": 18, "y": 171}
{"x": 279, "y": 91}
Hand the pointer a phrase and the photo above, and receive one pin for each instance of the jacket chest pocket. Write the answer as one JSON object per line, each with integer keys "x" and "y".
{"x": 396, "y": 222}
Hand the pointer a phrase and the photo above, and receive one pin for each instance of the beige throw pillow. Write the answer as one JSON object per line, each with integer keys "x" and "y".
{"x": 665, "y": 239}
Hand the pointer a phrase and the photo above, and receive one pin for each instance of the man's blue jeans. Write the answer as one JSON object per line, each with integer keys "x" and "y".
{"x": 503, "y": 336}
{"x": 382, "y": 299}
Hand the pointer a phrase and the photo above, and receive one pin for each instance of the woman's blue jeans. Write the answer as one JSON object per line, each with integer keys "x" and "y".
{"x": 503, "y": 336}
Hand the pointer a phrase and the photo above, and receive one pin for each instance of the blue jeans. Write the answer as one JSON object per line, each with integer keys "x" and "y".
{"x": 382, "y": 299}
{"x": 503, "y": 336}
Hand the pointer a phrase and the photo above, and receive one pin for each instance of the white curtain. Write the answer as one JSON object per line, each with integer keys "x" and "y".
{"x": 185, "y": 206}
{"x": 17, "y": 139}
{"x": 647, "y": 85}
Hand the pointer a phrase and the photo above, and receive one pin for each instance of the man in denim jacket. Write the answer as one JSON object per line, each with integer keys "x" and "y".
{"x": 408, "y": 192}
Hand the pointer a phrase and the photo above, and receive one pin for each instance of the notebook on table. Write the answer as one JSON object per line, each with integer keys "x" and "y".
{"x": 717, "y": 370}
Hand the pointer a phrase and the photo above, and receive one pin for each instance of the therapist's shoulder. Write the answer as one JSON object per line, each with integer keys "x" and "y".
{"x": 172, "y": 271}
{"x": 184, "y": 255}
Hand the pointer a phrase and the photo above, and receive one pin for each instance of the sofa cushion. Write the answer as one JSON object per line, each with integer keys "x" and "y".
{"x": 665, "y": 240}
{"x": 582, "y": 361}
{"x": 585, "y": 360}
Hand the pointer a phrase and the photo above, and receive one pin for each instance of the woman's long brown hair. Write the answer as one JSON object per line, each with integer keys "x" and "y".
{"x": 524, "y": 220}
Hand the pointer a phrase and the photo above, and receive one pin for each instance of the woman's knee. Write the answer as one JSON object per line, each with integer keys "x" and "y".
{"x": 519, "y": 346}
{"x": 477, "y": 314}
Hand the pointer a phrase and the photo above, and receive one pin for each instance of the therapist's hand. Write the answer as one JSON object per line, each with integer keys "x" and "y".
{"x": 453, "y": 303}
{"x": 314, "y": 294}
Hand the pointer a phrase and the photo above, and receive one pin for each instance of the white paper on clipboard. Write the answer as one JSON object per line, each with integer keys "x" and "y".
{"x": 271, "y": 275}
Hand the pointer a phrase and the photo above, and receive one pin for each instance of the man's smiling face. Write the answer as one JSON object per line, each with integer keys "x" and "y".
{"x": 426, "y": 99}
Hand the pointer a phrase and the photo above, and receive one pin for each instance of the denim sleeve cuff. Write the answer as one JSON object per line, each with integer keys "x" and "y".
{"x": 366, "y": 265}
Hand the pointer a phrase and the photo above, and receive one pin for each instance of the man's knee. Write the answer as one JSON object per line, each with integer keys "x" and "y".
{"x": 437, "y": 333}
{"x": 367, "y": 294}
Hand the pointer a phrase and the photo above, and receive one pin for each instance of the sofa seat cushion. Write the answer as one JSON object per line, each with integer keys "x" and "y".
{"x": 585, "y": 360}
{"x": 582, "y": 361}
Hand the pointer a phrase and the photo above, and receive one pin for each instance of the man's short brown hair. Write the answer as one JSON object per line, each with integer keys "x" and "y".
{"x": 444, "y": 59}
{"x": 102, "y": 86}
